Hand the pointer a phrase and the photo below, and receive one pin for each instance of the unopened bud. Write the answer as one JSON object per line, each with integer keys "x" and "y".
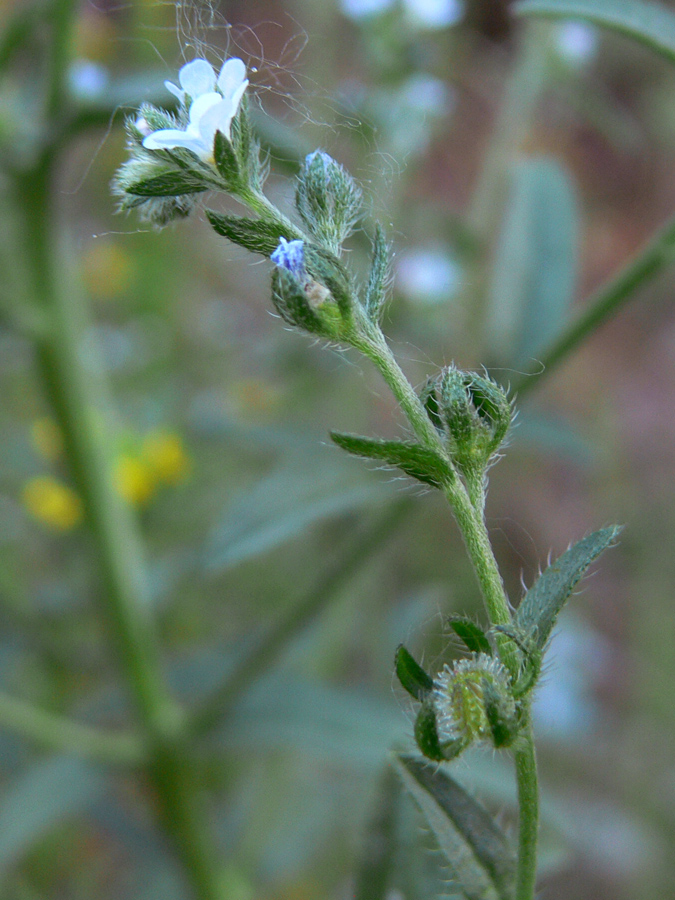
{"x": 328, "y": 199}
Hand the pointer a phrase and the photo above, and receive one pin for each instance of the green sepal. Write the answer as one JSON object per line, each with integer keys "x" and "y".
{"x": 327, "y": 270}
{"x": 541, "y": 605}
{"x": 290, "y": 301}
{"x": 253, "y": 171}
{"x": 479, "y": 855}
{"x": 417, "y": 461}
{"x": 412, "y": 676}
{"x": 256, "y": 235}
{"x": 472, "y": 635}
{"x": 426, "y": 733}
{"x": 501, "y": 713}
{"x": 226, "y": 161}
{"x": 429, "y": 399}
{"x": 376, "y": 289}
{"x": 167, "y": 184}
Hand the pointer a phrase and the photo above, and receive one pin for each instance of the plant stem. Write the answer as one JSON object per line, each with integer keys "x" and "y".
{"x": 528, "y": 803}
{"x": 79, "y": 398}
{"x": 266, "y": 651}
{"x": 658, "y": 253}
{"x": 59, "y": 733}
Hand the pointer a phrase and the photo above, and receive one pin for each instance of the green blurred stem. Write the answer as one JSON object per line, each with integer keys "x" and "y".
{"x": 59, "y": 733}
{"x": 655, "y": 256}
{"x": 528, "y": 803}
{"x": 264, "y": 654}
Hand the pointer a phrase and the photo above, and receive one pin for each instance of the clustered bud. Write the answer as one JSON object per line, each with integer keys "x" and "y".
{"x": 473, "y": 414}
{"x": 327, "y": 199}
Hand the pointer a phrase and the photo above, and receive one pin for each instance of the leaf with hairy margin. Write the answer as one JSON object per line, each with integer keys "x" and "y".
{"x": 415, "y": 460}
{"x": 541, "y": 605}
{"x": 255, "y": 235}
{"x": 480, "y": 857}
{"x": 167, "y": 184}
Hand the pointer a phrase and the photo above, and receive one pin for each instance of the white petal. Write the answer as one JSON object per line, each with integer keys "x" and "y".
{"x": 176, "y": 91}
{"x": 201, "y": 105}
{"x": 197, "y": 77}
{"x": 217, "y": 118}
{"x": 231, "y": 76}
{"x": 168, "y": 138}
{"x": 236, "y": 97}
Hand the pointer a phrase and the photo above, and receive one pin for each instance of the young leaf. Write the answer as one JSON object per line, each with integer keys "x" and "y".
{"x": 376, "y": 289}
{"x": 416, "y": 461}
{"x": 255, "y": 235}
{"x": 650, "y": 23}
{"x": 540, "y": 606}
{"x": 168, "y": 184}
{"x": 471, "y": 634}
{"x": 426, "y": 733}
{"x": 479, "y": 855}
{"x": 411, "y": 675}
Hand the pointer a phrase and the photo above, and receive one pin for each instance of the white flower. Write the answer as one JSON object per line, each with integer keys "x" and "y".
{"x": 213, "y": 103}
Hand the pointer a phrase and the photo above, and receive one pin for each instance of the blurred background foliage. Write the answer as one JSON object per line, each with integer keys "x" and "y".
{"x": 220, "y": 414}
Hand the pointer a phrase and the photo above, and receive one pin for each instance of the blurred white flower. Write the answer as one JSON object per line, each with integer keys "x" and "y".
{"x": 427, "y": 275}
{"x": 576, "y": 42}
{"x": 423, "y": 13}
{"x": 87, "y": 79}
{"x": 362, "y": 9}
{"x": 213, "y": 103}
{"x": 434, "y": 13}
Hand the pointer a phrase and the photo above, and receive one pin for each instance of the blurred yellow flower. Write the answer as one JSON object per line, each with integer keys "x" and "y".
{"x": 52, "y": 503}
{"x": 47, "y": 438}
{"x": 134, "y": 480}
{"x": 165, "y": 454}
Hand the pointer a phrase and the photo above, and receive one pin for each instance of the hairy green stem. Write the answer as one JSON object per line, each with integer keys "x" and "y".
{"x": 528, "y": 803}
{"x": 652, "y": 259}
{"x": 266, "y": 651}
{"x": 59, "y": 733}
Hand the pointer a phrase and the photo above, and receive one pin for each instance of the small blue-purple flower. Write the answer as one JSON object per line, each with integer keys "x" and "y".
{"x": 290, "y": 255}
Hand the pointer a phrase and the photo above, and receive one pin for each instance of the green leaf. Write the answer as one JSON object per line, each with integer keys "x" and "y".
{"x": 479, "y": 855}
{"x": 535, "y": 267}
{"x": 426, "y": 733}
{"x": 226, "y": 160}
{"x": 255, "y": 235}
{"x": 379, "y": 850}
{"x": 376, "y": 289}
{"x": 55, "y": 789}
{"x": 411, "y": 675}
{"x": 415, "y": 460}
{"x": 281, "y": 506}
{"x": 540, "y": 606}
{"x": 168, "y": 184}
{"x": 652, "y": 24}
{"x": 471, "y": 634}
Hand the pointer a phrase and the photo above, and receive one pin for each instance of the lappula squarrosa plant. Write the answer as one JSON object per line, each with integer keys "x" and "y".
{"x": 458, "y": 424}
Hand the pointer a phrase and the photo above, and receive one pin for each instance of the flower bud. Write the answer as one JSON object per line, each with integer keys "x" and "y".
{"x": 328, "y": 199}
{"x": 473, "y": 702}
{"x": 472, "y": 412}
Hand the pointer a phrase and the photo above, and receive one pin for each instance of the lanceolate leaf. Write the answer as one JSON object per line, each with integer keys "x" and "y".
{"x": 226, "y": 159}
{"x": 168, "y": 184}
{"x": 378, "y": 853}
{"x": 480, "y": 857}
{"x": 539, "y": 608}
{"x": 471, "y": 634}
{"x": 651, "y": 23}
{"x": 253, "y": 234}
{"x": 416, "y": 461}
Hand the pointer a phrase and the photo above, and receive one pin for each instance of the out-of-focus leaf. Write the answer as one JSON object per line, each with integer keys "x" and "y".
{"x": 54, "y": 789}
{"x": 478, "y": 853}
{"x": 650, "y": 23}
{"x": 378, "y": 848}
{"x": 283, "y": 505}
{"x": 349, "y": 726}
{"x": 535, "y": 267}
{"x": 540, "y": 606}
